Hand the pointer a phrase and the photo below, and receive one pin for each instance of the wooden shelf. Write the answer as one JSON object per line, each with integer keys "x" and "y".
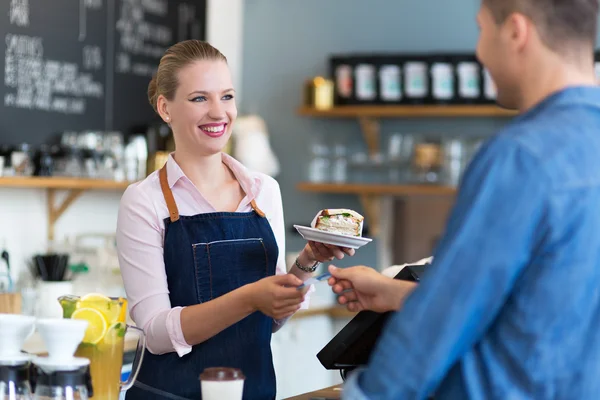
{"x": 368, "y": 117}
{"x": 408, "y": 111}
{"x": 376, "y": 189}
{"x": 61, "y": 183}
{"x": 369, "y": 195}
{"x": 74, "y": 187}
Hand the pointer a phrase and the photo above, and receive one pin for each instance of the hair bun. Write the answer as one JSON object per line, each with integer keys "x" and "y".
{"x": 153, "y": 92}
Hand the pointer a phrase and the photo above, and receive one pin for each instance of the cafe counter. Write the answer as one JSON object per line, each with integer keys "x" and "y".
{"x": 35, "y": 345}
{"x": 330, "y": 393}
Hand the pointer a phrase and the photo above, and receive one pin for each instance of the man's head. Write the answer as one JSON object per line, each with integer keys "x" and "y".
{"x": 521, "y": 36}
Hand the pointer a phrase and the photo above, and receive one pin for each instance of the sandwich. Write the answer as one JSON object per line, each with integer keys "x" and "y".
{"x": 339, "y": 220}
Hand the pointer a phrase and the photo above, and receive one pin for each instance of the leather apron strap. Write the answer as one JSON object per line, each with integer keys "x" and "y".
{"x": 168, "y": 194}
{"x": 170, "y": 200}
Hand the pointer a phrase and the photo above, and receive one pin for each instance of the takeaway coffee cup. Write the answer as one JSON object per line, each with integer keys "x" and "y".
{"x": 222, "y": 383}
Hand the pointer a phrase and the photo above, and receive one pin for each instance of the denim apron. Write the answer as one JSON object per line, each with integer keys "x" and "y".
{"x": 207, "y": 256}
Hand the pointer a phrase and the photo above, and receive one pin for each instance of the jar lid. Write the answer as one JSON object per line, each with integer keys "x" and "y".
{"x": 221, "y": 374}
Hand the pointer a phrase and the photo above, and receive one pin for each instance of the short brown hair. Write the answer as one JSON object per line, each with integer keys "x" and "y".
{"x": 175, "y": 58}
{"x": 561, "y": 23}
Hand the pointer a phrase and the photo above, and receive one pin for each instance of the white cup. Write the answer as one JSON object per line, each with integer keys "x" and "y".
{"x": 47, "y": 305}
{"x": 61, "y": 336}
{"x": 14, "y": 330}
{"x": 222, "y": 383}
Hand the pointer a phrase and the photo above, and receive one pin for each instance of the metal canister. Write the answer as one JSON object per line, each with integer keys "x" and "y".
{"x": 318, "y": 93}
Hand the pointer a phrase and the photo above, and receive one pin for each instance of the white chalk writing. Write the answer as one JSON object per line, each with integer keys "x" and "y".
{"x": 19, "y": 12}
{"x": 92, "y": 57}
{"x": 46, "y": 84}
{"x": 139, "y": 37}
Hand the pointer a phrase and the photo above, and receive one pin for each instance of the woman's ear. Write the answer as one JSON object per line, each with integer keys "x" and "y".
{"x": 162, "y": 106}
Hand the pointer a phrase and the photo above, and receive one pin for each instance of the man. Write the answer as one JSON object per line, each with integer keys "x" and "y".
{"x": 510, "y": 306}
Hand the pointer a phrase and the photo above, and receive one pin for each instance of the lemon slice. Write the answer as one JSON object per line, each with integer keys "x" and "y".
{"x": 115, "y": 333}
{"x": 123, "y": 314}
{"x": 102, "y": 303}
{"x": 97, "y": 325}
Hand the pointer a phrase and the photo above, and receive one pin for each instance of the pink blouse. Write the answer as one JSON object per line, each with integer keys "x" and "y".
{"x": 140, "y": 238}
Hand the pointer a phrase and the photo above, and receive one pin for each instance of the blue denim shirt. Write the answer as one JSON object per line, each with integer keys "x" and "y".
{"x": 510, "y": 307}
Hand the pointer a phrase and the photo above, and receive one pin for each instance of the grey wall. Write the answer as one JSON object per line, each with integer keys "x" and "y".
{"x": 288, "y": 41}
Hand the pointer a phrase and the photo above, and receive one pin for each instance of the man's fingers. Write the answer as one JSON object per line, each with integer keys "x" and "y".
{"x": 354, "y": 306}
{"x": 341, "y": 273}
{"x": 350, "y": 296}
{"x": 341, "y": 286}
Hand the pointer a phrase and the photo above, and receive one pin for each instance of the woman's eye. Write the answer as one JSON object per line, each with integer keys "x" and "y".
{"x": 228, "y": 97}
{"x": 198, "y": 99}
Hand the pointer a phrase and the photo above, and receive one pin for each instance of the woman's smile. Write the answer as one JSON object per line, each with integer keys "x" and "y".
{"x": 214, "y": 130}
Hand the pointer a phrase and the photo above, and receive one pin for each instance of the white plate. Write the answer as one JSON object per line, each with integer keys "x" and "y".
{"x": 16, "y": 359}
{"x": 69, "y": 364}
{"x": 336, "y": 239}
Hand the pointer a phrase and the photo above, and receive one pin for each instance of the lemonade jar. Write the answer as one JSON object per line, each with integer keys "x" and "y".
{"x": 104, "y": 341}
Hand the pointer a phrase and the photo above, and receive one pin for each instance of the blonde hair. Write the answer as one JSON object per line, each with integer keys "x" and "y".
{"x": 175, "y": 58}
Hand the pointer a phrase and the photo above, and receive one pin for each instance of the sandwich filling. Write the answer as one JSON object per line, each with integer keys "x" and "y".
{"x": 341, "y": 221}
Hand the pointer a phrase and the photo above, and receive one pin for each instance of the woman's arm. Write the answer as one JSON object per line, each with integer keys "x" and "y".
{"x": 275, "y": 296}
{"x": 311, "y": 253}
{"x": 140, "y": 250}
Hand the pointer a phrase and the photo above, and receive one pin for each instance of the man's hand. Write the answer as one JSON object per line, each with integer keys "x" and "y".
{"x": 363, "y": 288}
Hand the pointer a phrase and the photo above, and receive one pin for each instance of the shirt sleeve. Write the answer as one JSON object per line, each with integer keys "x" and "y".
{"x": 273, "y": 192}
{"x": 140, "y": 251}
{"x": 493, "y": 229}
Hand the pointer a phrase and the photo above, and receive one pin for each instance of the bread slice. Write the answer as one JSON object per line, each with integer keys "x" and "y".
{"x": 340, "y": 220}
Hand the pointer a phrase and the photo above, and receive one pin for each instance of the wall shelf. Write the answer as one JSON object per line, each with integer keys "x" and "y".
{"x": 368, "y": 117}
{"x": 37, "y": 182}
{"x": 377, "y": 189}
{"x": 73, "y": 186}
{"x": 369, "y": 195}
{"x": 408, "y": 111}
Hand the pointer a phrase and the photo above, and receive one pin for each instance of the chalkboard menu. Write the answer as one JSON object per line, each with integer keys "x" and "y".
{"x": 74, "y": 65}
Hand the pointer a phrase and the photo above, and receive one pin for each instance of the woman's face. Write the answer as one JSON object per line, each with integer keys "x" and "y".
{"x": 203, "y": 110}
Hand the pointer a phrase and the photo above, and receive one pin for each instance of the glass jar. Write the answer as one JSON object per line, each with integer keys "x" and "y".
{"x": 427, "y": 162}
{"x": 14, "y": 382}
{"x": 318, "y": 168}
{"x": 339, "y": 171}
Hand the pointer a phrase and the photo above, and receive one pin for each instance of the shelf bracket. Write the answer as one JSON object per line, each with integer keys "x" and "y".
{"x": 370, "y": 129}
{"x": 54, "y": 212}
{"x": 371, "y": 205}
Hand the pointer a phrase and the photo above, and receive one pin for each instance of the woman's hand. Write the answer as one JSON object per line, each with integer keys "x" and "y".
{"x": 277, "y": 296}
{"x": 322, "y": 252}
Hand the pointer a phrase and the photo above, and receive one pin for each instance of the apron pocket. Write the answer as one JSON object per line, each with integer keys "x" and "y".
{"x": 225, "y": 265}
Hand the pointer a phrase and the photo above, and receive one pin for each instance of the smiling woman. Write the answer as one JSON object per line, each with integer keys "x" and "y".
{"x": 202, "y": 242}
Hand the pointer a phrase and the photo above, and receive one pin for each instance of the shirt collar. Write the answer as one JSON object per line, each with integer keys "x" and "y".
{"x": 250, "y": 182}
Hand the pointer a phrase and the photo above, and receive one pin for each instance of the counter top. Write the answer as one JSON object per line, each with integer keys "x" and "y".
{"x": 35, "y": 345}
{"x": 332, "y": 312}
{"x": 333, "y": 392}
